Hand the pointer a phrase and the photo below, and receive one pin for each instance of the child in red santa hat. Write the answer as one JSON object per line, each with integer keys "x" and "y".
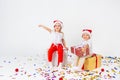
{"x": 86, "y": 44}
{"x": 58, "y": 42}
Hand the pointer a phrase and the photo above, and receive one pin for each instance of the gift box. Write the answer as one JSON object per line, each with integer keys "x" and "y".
{"x": 73, "y": 49}
{"x": 92, "y": 62}
{"x": 78, "y": 51}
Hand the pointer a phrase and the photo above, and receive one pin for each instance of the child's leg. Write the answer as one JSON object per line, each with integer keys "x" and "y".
{"x": 76, "y": 63}
{"x": 50, "y": 54}
{"x": 60, "y": 55}
{"x": 65, "y": 55}
{"x": 81, "y": 61}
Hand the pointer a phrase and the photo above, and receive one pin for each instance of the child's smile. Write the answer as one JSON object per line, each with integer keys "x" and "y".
{"x": 86, "y": 36}
{"x": 57, "y": 27}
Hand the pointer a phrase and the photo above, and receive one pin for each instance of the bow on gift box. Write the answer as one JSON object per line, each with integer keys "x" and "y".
{"x": 93, "y": 55}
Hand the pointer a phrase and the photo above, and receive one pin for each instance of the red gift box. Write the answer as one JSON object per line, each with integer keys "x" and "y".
{"x": 78, "y": 51}
{"x": 73, "y": 49}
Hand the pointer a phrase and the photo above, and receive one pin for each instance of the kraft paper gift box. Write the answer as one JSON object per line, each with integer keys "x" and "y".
{"x": 78, "y": 51}
{"x": 92, "y": 62}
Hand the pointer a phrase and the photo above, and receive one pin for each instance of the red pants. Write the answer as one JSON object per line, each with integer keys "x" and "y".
{"x": 54, "y": 48}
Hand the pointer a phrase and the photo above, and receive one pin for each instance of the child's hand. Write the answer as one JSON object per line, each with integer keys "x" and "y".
{"x": 40, "y": 25}
{"x": 66, "y": 48}
{"x": 83, "y": 50}
{"x": 44, "y": 27}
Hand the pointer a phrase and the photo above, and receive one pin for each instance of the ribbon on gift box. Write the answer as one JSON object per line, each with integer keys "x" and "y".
{"x": 73, "y": 49}
{"x": 94, "y": 55}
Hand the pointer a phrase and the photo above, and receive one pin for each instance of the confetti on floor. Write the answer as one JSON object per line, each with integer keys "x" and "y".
{"x": 36, "y": 68}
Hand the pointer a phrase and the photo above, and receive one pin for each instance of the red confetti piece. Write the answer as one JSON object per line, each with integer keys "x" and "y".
{"x": 61, "y": 78}
{"x": 16, "y": 70}
{"x": 102, "y": 70}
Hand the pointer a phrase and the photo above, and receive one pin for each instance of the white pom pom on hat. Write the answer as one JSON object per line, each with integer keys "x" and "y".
{"x": 88, "y": 31}
{"x": 58, "y": 21}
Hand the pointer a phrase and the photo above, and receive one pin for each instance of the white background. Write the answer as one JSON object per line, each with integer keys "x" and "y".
{"x": 20, "y": 34}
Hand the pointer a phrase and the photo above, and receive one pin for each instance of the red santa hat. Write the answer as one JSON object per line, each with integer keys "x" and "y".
{"x": 58, "y": 21}
{"x": 88, "y": 31}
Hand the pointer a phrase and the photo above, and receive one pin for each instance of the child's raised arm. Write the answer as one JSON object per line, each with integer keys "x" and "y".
{"x": 46, "y": 28}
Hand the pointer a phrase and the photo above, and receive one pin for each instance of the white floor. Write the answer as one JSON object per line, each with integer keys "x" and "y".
{"x": 36, "y": 68}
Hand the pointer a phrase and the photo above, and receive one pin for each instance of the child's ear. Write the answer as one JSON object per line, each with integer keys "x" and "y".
{"x": 82, "y": 36}
{"x": 89, "y": 37}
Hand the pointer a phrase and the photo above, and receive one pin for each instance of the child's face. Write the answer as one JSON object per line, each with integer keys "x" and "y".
{"x": 86, "y": 36}
{"x": 57, "y": 27}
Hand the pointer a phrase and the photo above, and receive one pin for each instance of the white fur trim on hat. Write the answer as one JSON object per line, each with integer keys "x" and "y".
{"x": 88, "y": 31}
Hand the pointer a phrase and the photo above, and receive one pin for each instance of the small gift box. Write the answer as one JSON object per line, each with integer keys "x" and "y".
{"x": 78, "y": 51}
{"x": 92, "y": 62}
{"x": 73, "y": 49}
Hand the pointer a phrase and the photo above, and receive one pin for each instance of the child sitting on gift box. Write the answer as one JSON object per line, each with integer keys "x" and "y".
{"x": 85, "y": 44}
{"x": 58, "y": 42}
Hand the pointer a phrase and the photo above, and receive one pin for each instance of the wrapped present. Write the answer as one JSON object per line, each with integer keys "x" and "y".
{"x": 73, "y": 49}
{"x": 78, "y": 51}
{"x": 92, "y": 62}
